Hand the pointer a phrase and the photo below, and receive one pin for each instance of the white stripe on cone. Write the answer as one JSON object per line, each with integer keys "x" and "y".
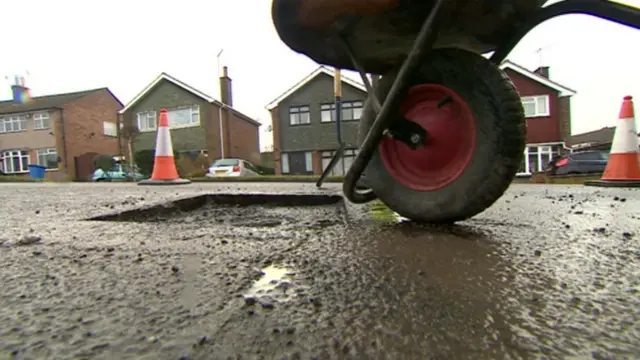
{"x": 163, "y": 142}
{"x": 626, "y": 139}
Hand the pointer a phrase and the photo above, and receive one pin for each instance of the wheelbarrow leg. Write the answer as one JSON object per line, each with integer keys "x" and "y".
{"x": 338, "y": 85}
{"x": 337, "y": 80}
{"x": 420, "y": 49}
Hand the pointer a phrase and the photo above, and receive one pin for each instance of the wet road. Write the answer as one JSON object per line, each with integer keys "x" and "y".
{"x": 548, "y": 272}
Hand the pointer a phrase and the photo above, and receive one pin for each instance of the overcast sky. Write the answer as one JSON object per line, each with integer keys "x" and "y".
{"x": 72, "y": 45}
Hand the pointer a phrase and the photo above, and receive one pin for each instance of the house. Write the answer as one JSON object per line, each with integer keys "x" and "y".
{"x": 594, "y": 140}
{"x": 63, "y": 132}
{"x": 197, "y": 120}
{"x": 547, "y": 107}
{"x": 304, "y": 128}
{"x": 304, "y": 134}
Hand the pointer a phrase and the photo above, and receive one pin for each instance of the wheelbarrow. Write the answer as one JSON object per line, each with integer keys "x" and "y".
{"x": 442, "y": 133}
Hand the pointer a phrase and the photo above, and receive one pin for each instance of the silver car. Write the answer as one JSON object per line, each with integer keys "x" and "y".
{"x": 232, "y": 167}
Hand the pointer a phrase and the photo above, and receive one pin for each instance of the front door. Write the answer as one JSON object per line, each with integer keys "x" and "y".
{"x": 297, "y": 163}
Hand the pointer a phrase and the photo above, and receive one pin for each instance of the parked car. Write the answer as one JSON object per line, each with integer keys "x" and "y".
{"x": 120, "y": 172}
{"x": 232, "y": 167}
{"x": 584, "y": 162}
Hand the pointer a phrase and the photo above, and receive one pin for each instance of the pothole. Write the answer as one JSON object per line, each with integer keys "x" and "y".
{"x": 232, "y": 209}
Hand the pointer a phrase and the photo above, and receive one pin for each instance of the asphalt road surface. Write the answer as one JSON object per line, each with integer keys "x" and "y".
{"x": 548, "y": 272}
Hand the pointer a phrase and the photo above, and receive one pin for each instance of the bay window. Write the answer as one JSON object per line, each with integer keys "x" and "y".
{"x": 14, "y": 161}
{"x": 537, "y": 157}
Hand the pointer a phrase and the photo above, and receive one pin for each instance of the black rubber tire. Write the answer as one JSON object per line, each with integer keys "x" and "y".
{"x": 500, "y": 140}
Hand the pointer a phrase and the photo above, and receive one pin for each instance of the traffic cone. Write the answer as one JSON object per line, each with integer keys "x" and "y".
{"x": 623, "y": 168}
{"x": 164, "y": 166}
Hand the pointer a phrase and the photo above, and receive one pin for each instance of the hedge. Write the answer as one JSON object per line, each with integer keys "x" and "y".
{"x": 13, "y": 178}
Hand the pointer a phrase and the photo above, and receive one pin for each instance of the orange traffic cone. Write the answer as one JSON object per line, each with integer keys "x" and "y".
{"x": 164, "y": 166}
{"x": 623, "y": 168}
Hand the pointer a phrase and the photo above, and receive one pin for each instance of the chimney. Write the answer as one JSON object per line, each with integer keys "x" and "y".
{"x": 543, "y": 71}
{"x": 19, "y": 90}
{"x": 226, "y": 94}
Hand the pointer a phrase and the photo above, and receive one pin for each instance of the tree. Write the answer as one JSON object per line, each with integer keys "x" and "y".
{"x": 129, "y": 132}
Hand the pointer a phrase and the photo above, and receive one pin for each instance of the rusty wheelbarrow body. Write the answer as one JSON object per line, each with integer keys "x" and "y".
{"x": 443, "y": 132}
{"x": 381, "y": 32}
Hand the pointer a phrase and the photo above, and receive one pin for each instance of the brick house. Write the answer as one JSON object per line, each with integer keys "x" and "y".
{"x": 547, "y": 107}
{"x": 195, "y": 120}
{"x": 63, "y": 132}
{"x": 304, "y": 134}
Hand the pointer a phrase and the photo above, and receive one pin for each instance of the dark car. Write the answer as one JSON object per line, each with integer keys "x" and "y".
{"x": 584, "y": 162}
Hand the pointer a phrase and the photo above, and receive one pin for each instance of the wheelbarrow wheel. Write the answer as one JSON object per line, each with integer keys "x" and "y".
{"x": 476, "y": 137}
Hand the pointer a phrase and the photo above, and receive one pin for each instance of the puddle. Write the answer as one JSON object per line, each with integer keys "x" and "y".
{"x": 275, "y": 283}
{"x": 380, "y": 212}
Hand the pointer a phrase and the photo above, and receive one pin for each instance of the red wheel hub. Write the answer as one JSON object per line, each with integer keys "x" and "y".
{"x": 451, "y": 139}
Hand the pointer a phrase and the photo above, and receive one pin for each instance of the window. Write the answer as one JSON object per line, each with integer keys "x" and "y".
{"x": 13, "y": 123}
{"x": 226, "y": 162}
{"x": 546, "y": 155}
{"x": 351, "y": 110}
{"x": 41, "y": 121}
{"x": 536, "y": 158}
{"x": 299, "y": 115}
{"x": 284, "y": 160}
{"x": 14, "y": 161}
{"x": 327, "y": 113}
{"x": 48, "y": 158}
{"x": 590, "y": 156}
{"x": 184, "y": 117}
{"x": 535, "y": 106}
{"x": 251, "y": 167}
{"x": 308, "y": 161}
{"x": 348, "y": 158}
{"x": 147, "y": 121}
{"x": 523, "y": 164}
{"x": 343, "y": 165}
{"x": 533, "y": 159}
{"x": 110, "y": 129}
